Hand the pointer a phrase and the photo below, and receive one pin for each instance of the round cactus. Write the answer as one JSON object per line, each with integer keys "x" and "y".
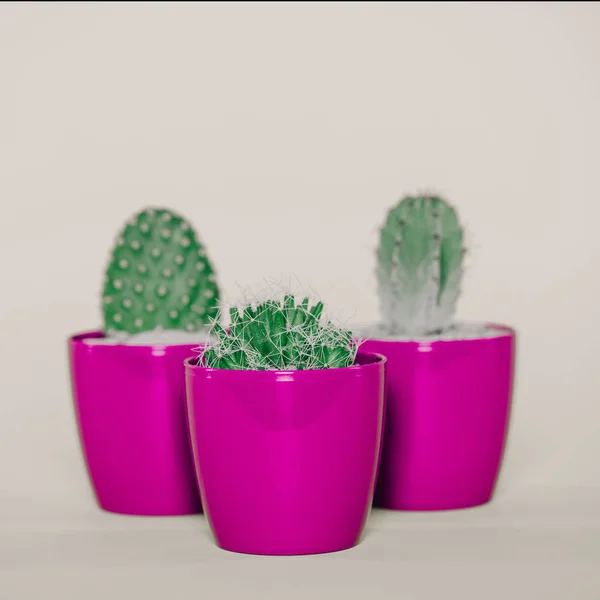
{"x": 420, "y": 266}
{"x": 279, "y": 334}
{"x": 158, "y": 277}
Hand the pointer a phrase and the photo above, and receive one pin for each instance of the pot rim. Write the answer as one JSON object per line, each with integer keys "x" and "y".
{"x": 504, "y": 331}
{"x": 78, "y": 340}
{"x": 375, "y": 359}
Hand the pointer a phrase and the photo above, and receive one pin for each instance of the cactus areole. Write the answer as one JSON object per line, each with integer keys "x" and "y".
{"x": 158, "y": 278}
{"x": 420, "y": 266}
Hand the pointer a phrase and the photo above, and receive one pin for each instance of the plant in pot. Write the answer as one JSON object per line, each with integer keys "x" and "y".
{"x": 128, "y": 378}
{"x": 286, "y": 421}
{"x": 449, "y": 384}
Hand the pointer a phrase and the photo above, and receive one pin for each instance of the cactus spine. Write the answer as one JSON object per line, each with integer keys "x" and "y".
{"x": 420, "y": 266}
{"x": 279, "y": 335}
{"x": 158, "y": 277}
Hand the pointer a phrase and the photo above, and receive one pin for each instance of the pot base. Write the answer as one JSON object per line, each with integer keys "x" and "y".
{"x": 151, "y": 512}
{"x": 258, "y": 551}
{"x": 429, "y": 507}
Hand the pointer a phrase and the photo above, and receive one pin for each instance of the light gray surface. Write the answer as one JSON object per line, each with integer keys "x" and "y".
{"x": 536, "y": 543}
{"x": 284, "y": 131}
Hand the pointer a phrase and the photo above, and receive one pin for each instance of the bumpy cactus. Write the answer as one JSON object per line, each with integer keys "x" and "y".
{"x": 158, "y": 277}
{"x": 420, "y": 266}
{"x": 279, "y": 335}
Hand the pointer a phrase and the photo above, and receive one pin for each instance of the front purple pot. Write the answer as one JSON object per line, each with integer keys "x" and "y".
{"x": 448, "y": 405}
{"x": 130, "y": 409}
{"x": 287, "y": 460}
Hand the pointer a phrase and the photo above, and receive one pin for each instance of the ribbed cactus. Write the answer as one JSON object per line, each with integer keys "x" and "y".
{"x": 158, "y": 277}
{"x": 420, "y": 266}
{"x": 279, "y": 335}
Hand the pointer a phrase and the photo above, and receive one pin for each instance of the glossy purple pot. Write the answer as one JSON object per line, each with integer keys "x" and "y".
{"x": 130, "y": 409}
{"x": 287, "y": 460}
{"x": 448, "y": 405}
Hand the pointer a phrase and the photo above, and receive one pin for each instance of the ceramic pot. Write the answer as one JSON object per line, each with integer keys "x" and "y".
{"x": 130, "y": 409}
{"x": 287, "y": 460}
{"x": 448, "y": 406}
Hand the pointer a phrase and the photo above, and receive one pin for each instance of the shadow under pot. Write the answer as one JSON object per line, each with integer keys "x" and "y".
{"x": 130, "y": 410}
{"x": 447, "y": 414}
{"x": 287, "y": 460}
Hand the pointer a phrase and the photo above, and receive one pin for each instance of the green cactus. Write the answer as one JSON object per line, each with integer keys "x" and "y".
{"x": 279, "y": 335}
{"x": 420, "y": 266}
{"x": 158, "y": 277}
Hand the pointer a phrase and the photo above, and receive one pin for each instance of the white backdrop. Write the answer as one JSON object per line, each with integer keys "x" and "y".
{"x": 284, "y": 133}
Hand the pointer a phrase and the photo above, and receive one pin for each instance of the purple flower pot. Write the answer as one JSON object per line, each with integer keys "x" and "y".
{"x": 287, "y": 460}
{"x": 130, "y": 409}
{"x": 448, "y": 405}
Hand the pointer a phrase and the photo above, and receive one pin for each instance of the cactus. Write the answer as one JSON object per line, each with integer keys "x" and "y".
{"x": 420, "y": 266}
{"x": 279, "y": 335}
{"x": 158, "y": 277}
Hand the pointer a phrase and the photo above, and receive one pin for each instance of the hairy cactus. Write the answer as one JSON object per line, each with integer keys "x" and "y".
{"x": 420, "y": 266}
{"x": 158, "y": 277}
{"x": 279, "y": 335}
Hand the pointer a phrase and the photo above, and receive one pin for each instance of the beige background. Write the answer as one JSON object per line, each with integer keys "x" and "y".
{"x": 284, "y": 132}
